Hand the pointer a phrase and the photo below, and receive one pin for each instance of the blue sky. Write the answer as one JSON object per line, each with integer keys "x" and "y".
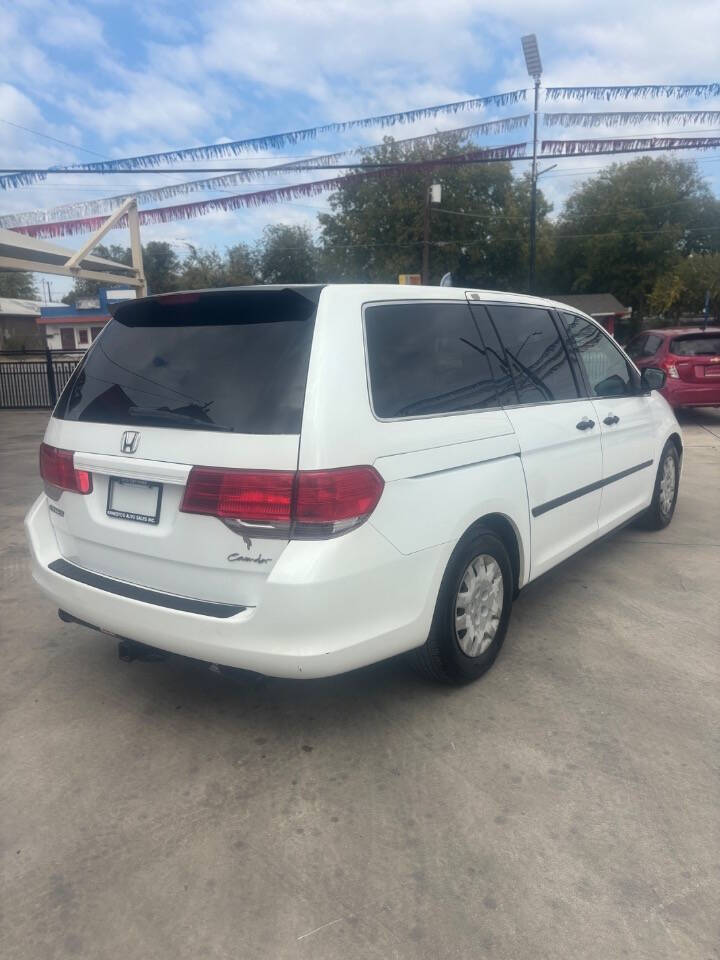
{"x": 122, "y": 78}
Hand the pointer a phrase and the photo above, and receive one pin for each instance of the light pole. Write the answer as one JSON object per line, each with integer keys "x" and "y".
{"x": 432, "y": 195}
{"x": 534, "y": 69}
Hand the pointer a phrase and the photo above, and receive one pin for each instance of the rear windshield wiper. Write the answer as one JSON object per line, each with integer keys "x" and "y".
{"x": 153, "y": 413}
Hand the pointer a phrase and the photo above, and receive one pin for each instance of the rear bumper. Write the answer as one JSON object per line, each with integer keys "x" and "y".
{"x": 679, "y": 393}
{"x": 328, "y": 607}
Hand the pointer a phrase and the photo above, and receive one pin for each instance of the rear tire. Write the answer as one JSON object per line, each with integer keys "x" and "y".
{"x": 661, "y": 509}
{"x": 472, "y": 612}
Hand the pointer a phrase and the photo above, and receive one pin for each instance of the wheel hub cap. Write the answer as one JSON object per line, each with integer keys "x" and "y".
{"x": 478, "y": 605}
{"x": 667, "y": 485}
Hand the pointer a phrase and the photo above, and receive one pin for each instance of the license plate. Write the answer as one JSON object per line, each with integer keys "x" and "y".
{"x": 137, "y": 500}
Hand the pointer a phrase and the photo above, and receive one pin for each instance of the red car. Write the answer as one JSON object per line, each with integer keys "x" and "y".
{"x": 690, "y": 356}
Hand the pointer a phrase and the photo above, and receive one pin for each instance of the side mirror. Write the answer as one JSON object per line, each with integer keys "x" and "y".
{"x": 652, "y": 378}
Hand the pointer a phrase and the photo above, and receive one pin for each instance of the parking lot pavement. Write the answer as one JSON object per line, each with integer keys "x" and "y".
{"x": 566, "y": 806}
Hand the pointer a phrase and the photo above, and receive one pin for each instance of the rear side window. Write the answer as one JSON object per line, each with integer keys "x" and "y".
{"x": 636, "y": 346}
{"x": 233, "y": 361}
{"x": 426, "y": 358}
{"x": 696, "y": 345}
{"x": 538, "y": 359}
{"x": 652, "y": 346}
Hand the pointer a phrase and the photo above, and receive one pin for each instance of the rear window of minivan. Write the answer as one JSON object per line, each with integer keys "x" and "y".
{"x": 229, "y": 360}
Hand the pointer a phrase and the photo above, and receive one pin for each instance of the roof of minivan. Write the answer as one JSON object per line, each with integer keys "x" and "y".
{"x": 386, "y": 291}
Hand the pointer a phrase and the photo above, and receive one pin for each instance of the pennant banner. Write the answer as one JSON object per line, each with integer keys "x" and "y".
{"x": 568, "y": 148}
{"x": 188, "y": 211}
{"x": 630, "y": 118}
{"x": 234, "y": 148}
{"x": 86, "y": 208}
{"x": 653, "y": 90}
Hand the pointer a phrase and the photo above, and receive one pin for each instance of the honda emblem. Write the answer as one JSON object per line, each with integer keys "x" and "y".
{"x": 130, "y": 441}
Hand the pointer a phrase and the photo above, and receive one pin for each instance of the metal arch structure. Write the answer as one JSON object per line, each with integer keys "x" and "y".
{"x": 19, "y": 252}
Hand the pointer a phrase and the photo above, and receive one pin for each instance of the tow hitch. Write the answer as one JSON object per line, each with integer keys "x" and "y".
{"x": 129, "y": 650}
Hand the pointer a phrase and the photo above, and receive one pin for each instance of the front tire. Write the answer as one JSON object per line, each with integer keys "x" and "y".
{"x": 472, "y": 611}
{"x": 661, "y": 509}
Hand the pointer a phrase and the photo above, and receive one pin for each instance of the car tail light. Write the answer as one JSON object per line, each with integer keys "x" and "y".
{"x": 671, "y": 370}
{"x": 300, "y": 505}
{"x": 59, "y": 473}
{"x": 254, "y": 496}
{"x": 329, "y": 502}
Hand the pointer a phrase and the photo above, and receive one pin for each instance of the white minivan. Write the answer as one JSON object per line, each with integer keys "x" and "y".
{"x": 300, "y": 480}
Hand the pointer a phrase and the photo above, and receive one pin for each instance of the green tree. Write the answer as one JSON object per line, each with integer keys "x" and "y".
{"x": 241, "y": 265}
{"x": 17, "y": 284}
{"x": 202, "y": 269}
{"x": 479, "y": 232}
{"x": 162, "y": 267}
{"x": 683, "y": 288}
{"x": 287, "y": 254}
{"x": 624, "y": 228}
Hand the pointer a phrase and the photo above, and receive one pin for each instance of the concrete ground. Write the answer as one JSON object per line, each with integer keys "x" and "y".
{"x": 566, "y": 806}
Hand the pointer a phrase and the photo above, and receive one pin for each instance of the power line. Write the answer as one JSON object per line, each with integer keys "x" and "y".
{"x": 46, "y": 136}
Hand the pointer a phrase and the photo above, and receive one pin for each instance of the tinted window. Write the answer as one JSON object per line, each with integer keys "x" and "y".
{"x": 537, "y": 355}
{"x": 499, "y": 365}
{"x": 653, "y": 344}
{"x": 426, "y": 358}
{"x": 229, "y": 360}
{"x": 696, "y": 345}
{"x": 607, "y": 370}
{"x": 636, "y": 346}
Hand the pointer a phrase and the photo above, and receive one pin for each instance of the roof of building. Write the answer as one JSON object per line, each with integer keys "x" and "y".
{"x": 94, "y": 319}
{"x": 20, "y": 308}
{"x": 594, "y": 304}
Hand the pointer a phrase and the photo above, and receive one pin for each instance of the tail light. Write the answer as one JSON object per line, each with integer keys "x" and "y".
{"x": 59, "y": 473}
{"x": 671, "y": 370}
{"x": 299, "y": 505}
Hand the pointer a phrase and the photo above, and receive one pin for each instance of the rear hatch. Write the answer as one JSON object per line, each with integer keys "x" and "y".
{"x": 210, "y": 379}
{"x": 697, "y": 356}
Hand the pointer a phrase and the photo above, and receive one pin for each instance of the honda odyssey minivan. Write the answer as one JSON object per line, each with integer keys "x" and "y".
{"x": 301, "y": 480}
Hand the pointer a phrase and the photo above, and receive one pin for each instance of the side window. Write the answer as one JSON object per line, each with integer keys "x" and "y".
{"x": 499, "y": 365}
{"x": 636, "y": 346}
{"x": 608, "y": 372}
{"x": 426, "y": 358}
{"x": 652, "y": 346}
{"x": 538, "y": 359}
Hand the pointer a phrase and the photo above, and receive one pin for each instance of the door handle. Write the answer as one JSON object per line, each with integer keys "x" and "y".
{"x": 585, "y": 424}
{"x": 611, "y": 419}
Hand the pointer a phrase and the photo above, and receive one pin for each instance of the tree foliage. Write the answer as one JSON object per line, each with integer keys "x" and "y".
{"x": 627, "y": 226}
{"x": 684, "y": 287}
{"x": 285, "y": 252}
{"x": 17, "y": 284}
{"x": 478, "y": 232}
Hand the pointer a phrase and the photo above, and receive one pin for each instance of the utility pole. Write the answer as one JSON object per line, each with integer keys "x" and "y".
{"x": 534, "y": 69}
{"x": 533, "y": 195}
{"x": 433, "y": 194}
